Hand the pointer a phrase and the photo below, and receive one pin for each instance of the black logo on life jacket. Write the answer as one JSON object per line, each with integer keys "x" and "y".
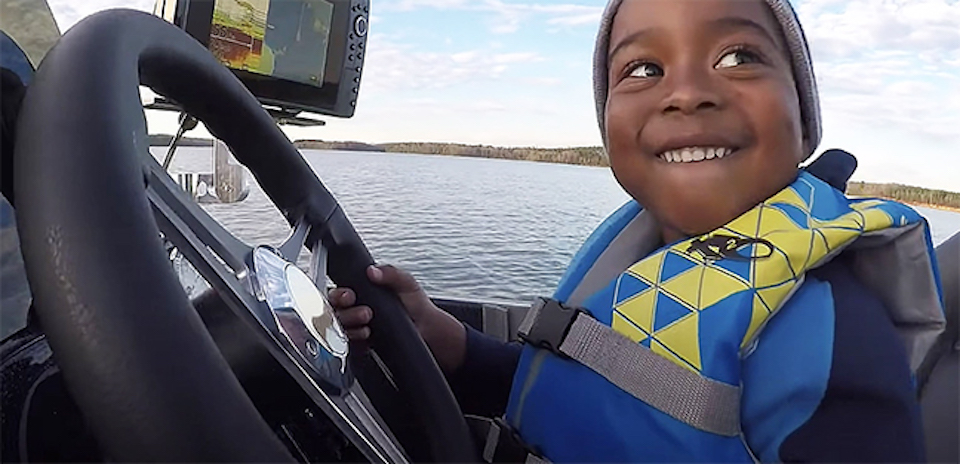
{"x": 719, "y": 247}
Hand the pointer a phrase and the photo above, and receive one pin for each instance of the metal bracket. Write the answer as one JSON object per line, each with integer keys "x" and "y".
{"x": 187, "y": 123}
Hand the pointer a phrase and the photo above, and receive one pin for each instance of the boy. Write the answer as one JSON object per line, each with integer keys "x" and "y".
{"x": 707, "y": 108}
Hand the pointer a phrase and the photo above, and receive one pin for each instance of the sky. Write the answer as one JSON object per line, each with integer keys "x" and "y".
{"x": 518, "y": 73}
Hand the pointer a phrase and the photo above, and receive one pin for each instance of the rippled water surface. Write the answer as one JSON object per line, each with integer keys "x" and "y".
{"x": 475, "y": 228}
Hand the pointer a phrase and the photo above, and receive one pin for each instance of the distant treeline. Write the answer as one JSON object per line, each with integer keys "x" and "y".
{"x": 163, "y": 140}
{"x": 328, "y": 145}
{"x": 587, "y": 156}
{"x": 906, "y": 194}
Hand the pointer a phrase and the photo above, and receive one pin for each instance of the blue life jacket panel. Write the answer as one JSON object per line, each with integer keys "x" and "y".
{"x": 732, "y": 306}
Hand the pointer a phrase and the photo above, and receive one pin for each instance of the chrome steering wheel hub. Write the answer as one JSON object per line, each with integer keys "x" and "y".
{"x": 304, "y": 318}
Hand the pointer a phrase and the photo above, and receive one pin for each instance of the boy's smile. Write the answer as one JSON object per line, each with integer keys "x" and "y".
{"x": 703, "y": 117}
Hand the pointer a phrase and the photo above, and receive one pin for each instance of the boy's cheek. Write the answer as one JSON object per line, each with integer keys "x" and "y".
{"x": 618, "y": 131}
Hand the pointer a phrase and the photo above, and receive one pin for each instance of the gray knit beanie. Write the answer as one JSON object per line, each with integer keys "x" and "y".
{"x": 799, "y": 57}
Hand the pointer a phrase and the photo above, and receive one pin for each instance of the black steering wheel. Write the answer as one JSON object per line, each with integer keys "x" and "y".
{"x": 136, "y": 357}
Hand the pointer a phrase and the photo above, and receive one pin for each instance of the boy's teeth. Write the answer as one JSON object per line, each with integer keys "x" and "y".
{"x": 692, "y": 154}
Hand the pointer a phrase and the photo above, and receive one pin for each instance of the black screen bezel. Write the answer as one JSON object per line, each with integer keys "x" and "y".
{"x": 196, "y": 18}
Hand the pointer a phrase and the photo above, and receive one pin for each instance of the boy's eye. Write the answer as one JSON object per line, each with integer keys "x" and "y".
{"x": 645, "y": 70}
{"x": 738, "y": 57}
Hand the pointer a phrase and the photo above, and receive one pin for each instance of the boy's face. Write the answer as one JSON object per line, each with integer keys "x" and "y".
{"x": 689, "y": 79}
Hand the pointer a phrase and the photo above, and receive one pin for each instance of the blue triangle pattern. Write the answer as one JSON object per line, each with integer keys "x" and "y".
{"x": 674, "y": 265}
{"x": 740, "y": 268}
{"x": 667, "y": 312}
{"x": 645, "y": 342}
{"x": 804, "y": 191}
{"x": 828, "y": 204}
{"x": 719, "y": 354}
{"x": 900, "y": 213}
{"x": 747, "y": 251}
{"x": 797, "y": 215}
{"x": 629, "y": 287}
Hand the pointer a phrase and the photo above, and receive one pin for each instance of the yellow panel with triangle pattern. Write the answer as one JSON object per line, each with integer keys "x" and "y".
{"x": 711, "y": 272}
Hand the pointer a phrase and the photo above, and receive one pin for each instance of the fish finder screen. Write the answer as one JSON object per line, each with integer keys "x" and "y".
{"x": 286, "y": 39}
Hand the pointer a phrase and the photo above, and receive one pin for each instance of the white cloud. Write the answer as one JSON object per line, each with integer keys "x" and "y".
{"x": 392, "y": 66}
{"x": 408, "y": 5}
{"x": 848, "y": 29}
{"x": 577, "y": 19}
{"x": 542, "y": 81}
{"x": 508, "y": 17}
{"x": 484, "y": 120}
{"x": 889, "y": 65}
{"x": 438, "y": 107}
{"x": 69, "y": 12}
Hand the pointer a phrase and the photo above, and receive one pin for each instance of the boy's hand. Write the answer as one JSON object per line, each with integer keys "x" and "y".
{"x": 444, "y": 335}
{"x": 356, "y": 319}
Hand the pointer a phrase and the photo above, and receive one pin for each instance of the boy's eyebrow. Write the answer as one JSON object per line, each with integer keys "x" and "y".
{"x": 734, "y": 22}
{"x": 635, "y": 37}
{"x": 729, "y": 22}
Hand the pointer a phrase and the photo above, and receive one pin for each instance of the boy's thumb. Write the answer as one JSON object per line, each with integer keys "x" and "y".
{"x": 389, "y": 276}
{"x": 414, "y": 299}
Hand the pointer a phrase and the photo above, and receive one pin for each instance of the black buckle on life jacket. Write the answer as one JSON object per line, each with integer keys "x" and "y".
{"x": 551, "y": 323}
{"x": 499, "y": 442}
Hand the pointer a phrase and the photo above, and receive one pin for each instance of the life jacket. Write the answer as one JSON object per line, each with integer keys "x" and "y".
{"x": 707, "y": 304}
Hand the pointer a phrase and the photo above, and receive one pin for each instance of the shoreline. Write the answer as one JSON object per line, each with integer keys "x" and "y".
{"x": 950, "y": 209}
{"x": 582, "y": 156}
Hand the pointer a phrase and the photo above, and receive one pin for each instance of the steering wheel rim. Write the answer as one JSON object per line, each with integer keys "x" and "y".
{"x": 92, "y": 252}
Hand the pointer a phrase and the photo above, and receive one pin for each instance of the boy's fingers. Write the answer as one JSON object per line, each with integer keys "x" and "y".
{"x": 342, "y": 297}
{"x": 358, "y": 335}
{"x": 356, "y": 316}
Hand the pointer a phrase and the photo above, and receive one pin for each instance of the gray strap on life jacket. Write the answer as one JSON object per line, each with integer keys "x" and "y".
{"x": 687, "y": 396}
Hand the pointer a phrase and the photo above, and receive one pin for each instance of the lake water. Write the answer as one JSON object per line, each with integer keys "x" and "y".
{"x": 472, "y": 228}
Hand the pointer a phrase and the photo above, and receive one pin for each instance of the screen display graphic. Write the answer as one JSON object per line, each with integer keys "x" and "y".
{"x": 286, "y": 39}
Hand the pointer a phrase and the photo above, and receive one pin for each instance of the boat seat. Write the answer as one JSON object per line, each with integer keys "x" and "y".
{"x": 940, "y": 394}
{"x": 940, "y": 405}
{"x": 15, "y": 74}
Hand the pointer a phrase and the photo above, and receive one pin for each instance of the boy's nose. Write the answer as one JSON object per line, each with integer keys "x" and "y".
{"x": 689, "y": 91}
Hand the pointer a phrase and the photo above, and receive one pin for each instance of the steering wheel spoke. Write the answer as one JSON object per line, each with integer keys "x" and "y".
{"x": 354, "y": 415}
{"x": 357, "y": 405}
{"x": 187, "y": 218}
{"x": 291, "y": 247}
